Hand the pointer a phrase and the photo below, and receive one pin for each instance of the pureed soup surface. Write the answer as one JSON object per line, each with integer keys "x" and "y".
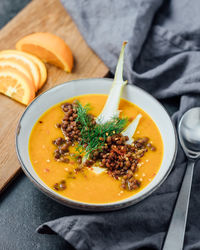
{"x": 88, "y": 186}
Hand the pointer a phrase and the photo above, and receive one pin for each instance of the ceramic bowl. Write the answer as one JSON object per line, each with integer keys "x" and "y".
{"x": 67, "y": 90}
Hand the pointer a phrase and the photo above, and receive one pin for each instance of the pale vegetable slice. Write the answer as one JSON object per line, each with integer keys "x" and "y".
{"x": 16, "y": 85}
{"x": 110, "y": 109}
{"x": 131, "y": 128}
{"x": 97, "y": 170}
{"x": 24, "y": 58}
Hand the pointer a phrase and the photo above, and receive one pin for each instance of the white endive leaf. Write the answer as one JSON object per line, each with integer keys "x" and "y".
{"x": 130, "y": 130}
{"x": 97, "y": 170}
{"x": 110, "y": 109}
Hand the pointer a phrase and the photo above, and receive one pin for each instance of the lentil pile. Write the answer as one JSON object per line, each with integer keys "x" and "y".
{"x": 121, "y": 160}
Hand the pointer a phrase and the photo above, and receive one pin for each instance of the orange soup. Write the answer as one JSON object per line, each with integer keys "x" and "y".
{"x": 87, "y": 185}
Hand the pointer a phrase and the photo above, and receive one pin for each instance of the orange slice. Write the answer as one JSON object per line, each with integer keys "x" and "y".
{"x": 24, "y": 58}
{"x": 14, "y": 64}
{"x": 41, "y": 67}
{"x": 49, "y": 48}
{"x": 16, "y": 85}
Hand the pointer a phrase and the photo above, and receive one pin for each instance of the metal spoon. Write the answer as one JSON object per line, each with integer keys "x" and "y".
{"x": 189, "y": 136}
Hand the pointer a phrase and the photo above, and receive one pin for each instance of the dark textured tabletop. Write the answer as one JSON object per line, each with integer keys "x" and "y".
{"x": 22, "y": 207}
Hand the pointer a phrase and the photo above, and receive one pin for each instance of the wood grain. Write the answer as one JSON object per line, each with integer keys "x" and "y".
{"x": 40, "y": 15}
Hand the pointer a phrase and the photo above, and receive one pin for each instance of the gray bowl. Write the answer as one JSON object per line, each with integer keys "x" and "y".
{"x": 70, "y": 89}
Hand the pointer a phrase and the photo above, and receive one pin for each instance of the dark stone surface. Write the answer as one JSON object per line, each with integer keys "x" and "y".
{"x": 22, "y": 209}
{"x": 9, "y": 8}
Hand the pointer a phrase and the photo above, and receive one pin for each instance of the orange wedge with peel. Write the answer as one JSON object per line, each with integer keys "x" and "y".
{"x": 23, "y": 58}
{"x": 16, "y": 85}
{"x": 49, "y": 48}
{"x": 16, "y": 64}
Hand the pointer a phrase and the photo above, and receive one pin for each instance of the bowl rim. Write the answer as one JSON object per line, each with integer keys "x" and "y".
{"x": 84, "y": 205}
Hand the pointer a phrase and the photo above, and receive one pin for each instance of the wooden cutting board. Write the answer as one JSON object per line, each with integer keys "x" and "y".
{"x": 40, "y": 15}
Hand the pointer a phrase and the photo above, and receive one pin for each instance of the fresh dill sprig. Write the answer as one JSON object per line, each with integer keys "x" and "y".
{"x": 82, "y": 112}
{"x": 93, "y": 135}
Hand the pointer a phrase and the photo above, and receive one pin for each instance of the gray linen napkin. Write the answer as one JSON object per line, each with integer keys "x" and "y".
{"x": 163, "y": 58}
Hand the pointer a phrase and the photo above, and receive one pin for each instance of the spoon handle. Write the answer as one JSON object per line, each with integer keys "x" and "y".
{"x": 175, "y": 236}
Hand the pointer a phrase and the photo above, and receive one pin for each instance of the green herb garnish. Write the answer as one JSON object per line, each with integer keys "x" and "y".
{"x": 93, "y": 135}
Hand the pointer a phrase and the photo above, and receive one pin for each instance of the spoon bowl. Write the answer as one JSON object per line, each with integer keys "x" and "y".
{"x": 189, "y": 133}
